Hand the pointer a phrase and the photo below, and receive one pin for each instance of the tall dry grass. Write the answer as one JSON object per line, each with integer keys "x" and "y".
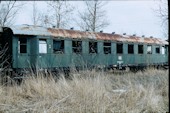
{"x": 89, "y": 92}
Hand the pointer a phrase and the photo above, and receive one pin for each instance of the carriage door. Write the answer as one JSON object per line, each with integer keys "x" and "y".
{"x": 43, "y": 57}
{"x": 119, "y": 49}
{"x": 23, "y": 59}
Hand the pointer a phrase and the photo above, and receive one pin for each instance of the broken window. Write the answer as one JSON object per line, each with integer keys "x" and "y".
{"x": 149, "y": 49}
{"x": 92, "y": 47}
{"x": 157, "y": 50}
{"x": 140, "y": 49}
{"x": 58, "y": 46}
{"x": 77, "y": 46}
{"x": 107, "y": 47}
{"x": 22, "y": 45}
{"x": 42, "y": 46}
{"x": 130, "y": 49}
{"x": 119, "y": 48}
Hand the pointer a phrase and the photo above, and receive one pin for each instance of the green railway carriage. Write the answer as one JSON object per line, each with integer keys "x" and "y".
{"x": 50, "y": 48}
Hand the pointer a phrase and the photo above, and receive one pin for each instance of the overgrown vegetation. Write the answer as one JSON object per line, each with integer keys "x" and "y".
{"x": 89, "y": 91}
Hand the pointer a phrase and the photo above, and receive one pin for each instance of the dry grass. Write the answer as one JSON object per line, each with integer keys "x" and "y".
{"x": 89, "y": 92}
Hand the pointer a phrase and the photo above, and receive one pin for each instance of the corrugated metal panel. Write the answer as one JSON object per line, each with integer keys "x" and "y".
{"x": 35, "y": 30}
{"x": 30, "y": 30}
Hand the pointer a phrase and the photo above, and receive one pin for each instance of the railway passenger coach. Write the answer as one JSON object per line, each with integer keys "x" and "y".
{"x": 49, "y": 48}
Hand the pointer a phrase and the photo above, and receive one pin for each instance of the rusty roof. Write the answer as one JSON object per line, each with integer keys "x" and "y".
{"x": 65, "y": 33}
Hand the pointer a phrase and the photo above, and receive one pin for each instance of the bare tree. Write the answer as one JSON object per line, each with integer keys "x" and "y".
{"x": 94, "y": 17}
{"x": 35, "y": 14}
{"x": 39, "y": 17}
{"x": 60, "y": 13}
{"x": 8, "y": 12}
{"x": 45, "y": 20}
{"x": 162, "y": 12}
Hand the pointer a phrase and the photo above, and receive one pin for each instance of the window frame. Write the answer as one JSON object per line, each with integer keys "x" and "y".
{"x": 130, "y": 50}
{"x": 60, "y": 50}
{"x": 149, "y": 51}
{"x": 157, "y": 48}
{"x": 140, "y": 51}
{"x": 46, "y": 47}
{"x": 163, "y": 52}
{"x": 78, "y": 48}
{"x": 106, "y": 46}
{"x": 94, "y": 46}
{"x": 120, "y": 51}
{"x": 22, "y": 44}
{"x": 166, "y": 49}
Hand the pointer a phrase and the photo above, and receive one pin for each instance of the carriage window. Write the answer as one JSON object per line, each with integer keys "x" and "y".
{"x": 92, "y": 47}
{"x": 77, "y": 46}
{"x": 163, "y": 50}
{"x": 107, "y": 47}
{"x": 42, "y": 46}
{"x": 140, "y": 49}
{"x": 22, "y": 45}
{"x": 166, "y": 49}
{"x": 119, "y": 48}
{"x": 157, "y": 50}
{"x": 58, "y": 46}
{"x": 149, "y": 49}
{"x": 130, "y": 49}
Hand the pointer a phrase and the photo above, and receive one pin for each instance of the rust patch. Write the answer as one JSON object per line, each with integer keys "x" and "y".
{"x": 65, "y": 33}
{"x": 103, "y": 36}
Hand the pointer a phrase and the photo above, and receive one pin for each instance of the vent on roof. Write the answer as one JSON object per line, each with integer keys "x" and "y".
{"x": 124, "y": 33}
{"x": 87, "y": 30}
{"x": 151, "y": 36}
{"x": 101, "y": 31}
{"x": 143, "y": 35}
{"x": 113, "y": 32}
{"x": 134, "y": 34}
{"x": 53, "y": 26}
{"x": 72, "y": 28}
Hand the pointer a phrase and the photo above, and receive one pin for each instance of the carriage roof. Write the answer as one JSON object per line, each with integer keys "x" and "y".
{"x": 65, "y": 33}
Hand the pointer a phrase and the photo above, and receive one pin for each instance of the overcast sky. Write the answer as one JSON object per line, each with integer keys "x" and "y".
{"x": 130, "y": 17}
